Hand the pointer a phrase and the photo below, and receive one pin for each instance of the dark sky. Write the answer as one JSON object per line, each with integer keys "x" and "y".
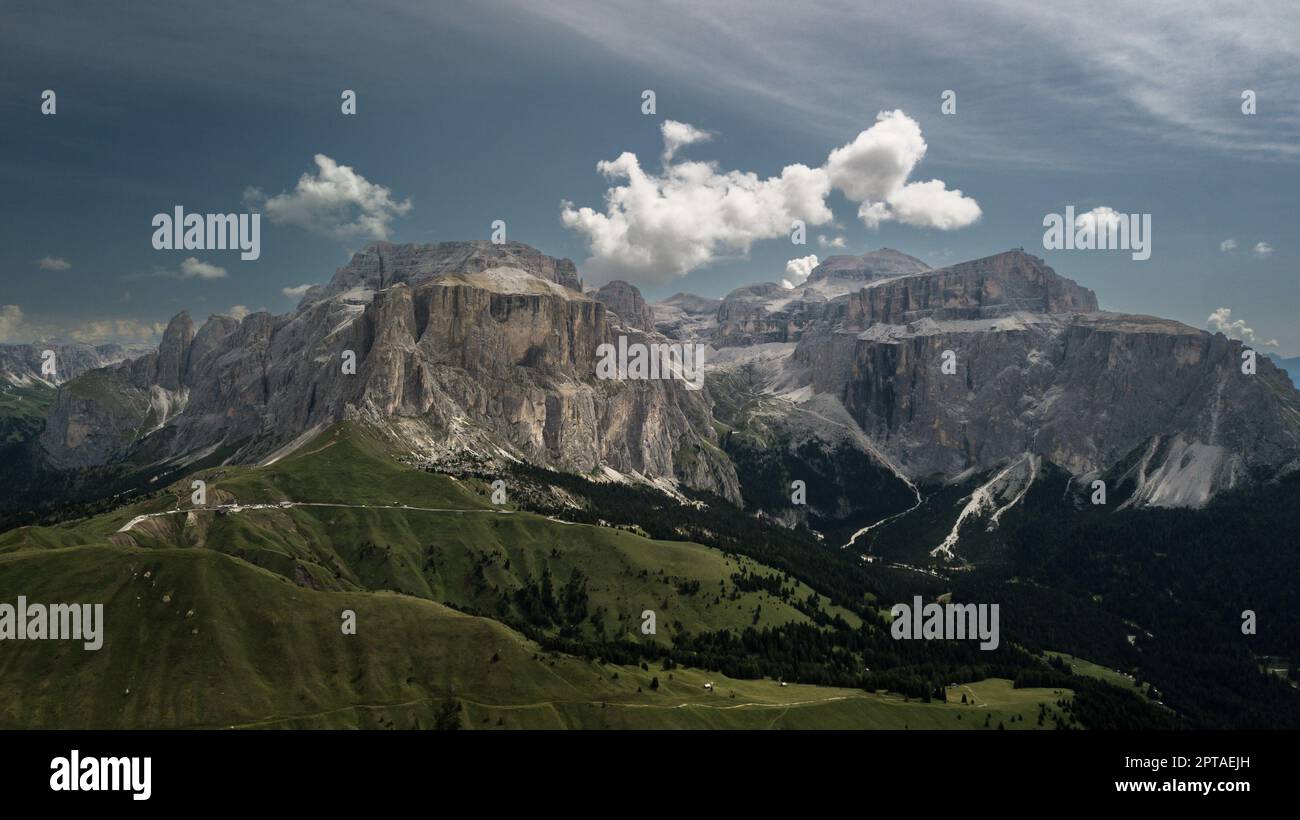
{"x": 468, "y": 113}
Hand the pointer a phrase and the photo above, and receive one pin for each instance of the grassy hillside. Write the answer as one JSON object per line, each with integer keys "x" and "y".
{"x": 228, "y": 614}
{"x": 22, "y": 411}
{"x": 196, "y": 638}
{"x": 1081, "y": 666}
{"x": 368, "y": 523}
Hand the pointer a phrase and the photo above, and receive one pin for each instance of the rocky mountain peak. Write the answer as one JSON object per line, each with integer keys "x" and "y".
{"x": 20, "y": 364}
{"x": 173, "y": 352}
{"x": 491, "y": 349}
{"x": 980, "y": 289}
{"x": 756, "y": 292}
{"x": 625, "y": 300}
{"x": 384, "y": 264}
{"x": 693, "y": 305}
{"x": 877, "y": 264}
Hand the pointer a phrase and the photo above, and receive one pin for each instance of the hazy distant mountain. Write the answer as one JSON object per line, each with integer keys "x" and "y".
{"x": 21, "y": 364}
{"x": 1291, "y": 366}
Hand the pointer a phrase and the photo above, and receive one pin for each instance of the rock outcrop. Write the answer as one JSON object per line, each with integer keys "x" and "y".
{"x": 1034, "y": 367}
{"x": 759, "y": 314}
{"x": 625, "y": 301}
{"x": 984, "y": 288}
{"x": 686, "y": 316}
{"x": 451, "y": 353}
{"x": 837, "y": 275}
{"x": 931, "y": 375}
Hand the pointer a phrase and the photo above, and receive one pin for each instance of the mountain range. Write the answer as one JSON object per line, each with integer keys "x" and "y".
{"x": 484, "y": 351}
{"x": 934, "y": 416}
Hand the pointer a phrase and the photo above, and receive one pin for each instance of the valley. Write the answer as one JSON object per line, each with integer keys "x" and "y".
{"x": 524, "y": 544}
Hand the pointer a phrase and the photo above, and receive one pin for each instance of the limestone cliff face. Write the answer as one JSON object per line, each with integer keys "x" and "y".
{"x": 1038, "y": 370}
{"x": 521, "y": 366}
{"x": 983, "y": 288}
{"x": 452, "y": 352}
{"x": 843, "y": 274}
{"x": 758, "y": 314}
{"x": 626, "y": 303}
{"x": 469, "y": 347}
{"x": 384, "y": 264}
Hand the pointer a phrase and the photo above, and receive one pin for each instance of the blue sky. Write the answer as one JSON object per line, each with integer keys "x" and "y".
{"x": 468, "y": 113}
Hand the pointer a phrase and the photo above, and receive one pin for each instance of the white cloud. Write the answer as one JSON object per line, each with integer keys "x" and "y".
{"x": 238, "y": 312}
{"x": 14, "y": 327}
{"x": 798, "y": 270}
{"x": 874, "y": 168}
{"x": 295, "y": 292}
{"x": 11, "y": 318}
{"x": 53, "y": 263}
{"x": 878, "y": 161}
{"x": 336, "y": 201}
{"x": 679, "y": 135}
{"x": 1222, "y": 321}
{"x": 118, "y": 330}
{"x": 1104, "y": 217}
{"x": 1228, "y": 245}
{"x": 931, "y": 205}
{"x": 656, "y": 227}
{"x": 824, "y": 242}
{"x": 1100, "y": 222}
{"x": 192, "y": 268}
{"x": 1263, "y": 249}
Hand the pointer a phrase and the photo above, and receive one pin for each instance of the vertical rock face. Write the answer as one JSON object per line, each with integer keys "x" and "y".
{"x": 491, "y": 350}
{"x": 1036, "y": 369}
{"x": 172, "y": 360}
{"x": 755, "y": 314}
{"x": 758, "y": 314}
{"x": 453, "y": 352}
{"x": 686, "y": 316}
{"x": 993, "y": 286}
{"x": 384, "y": 264}
{"x": 626, "y": 302}
{"x": 844, "y": 274}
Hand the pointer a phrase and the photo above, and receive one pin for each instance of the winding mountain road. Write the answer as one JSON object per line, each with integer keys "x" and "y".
{"x": 237, "y": 508}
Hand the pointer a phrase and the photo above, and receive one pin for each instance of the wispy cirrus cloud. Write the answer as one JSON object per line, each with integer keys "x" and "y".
{"x": 1165, "y": 58}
